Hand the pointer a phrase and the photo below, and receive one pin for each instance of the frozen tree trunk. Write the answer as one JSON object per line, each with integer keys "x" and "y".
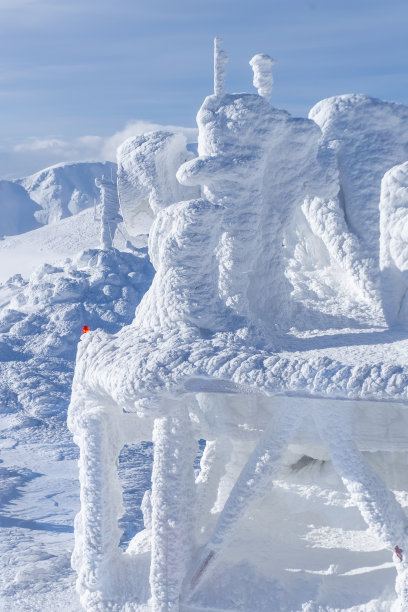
{"x": 253, "y": 484}
{"x": 172, "y": 506}
{"x": 377, "y": 504}
{"x": 97, "y": 531}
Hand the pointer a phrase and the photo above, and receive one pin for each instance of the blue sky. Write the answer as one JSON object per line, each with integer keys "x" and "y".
{"x": 78, "y": 75}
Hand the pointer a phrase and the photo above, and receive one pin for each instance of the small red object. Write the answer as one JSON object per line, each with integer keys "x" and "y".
{"x": 398, "y": 552}
{"x": 85, "y": 329}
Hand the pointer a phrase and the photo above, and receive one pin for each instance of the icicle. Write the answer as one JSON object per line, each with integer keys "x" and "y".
{"x": 220, "y": 59}
{"x": 253, "y": 484}
{"x": 261, "y": 64}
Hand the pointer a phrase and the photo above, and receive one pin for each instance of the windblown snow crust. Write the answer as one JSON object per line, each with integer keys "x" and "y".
{"x": 268, "y": 326}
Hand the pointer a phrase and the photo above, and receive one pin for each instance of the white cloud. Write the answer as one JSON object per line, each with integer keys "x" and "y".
{"x": 33, "y": 154}
{"x": 134, "y": 128}
{"x": 78, "y": 148}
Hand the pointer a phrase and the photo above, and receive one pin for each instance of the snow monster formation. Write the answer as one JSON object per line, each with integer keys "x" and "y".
{"x": 221, "y": 350}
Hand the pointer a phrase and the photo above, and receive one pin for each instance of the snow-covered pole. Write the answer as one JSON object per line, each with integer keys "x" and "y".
{"x": 262, "y": 64}
{"x": 172, "y": 500}
{"x": 109, "y": 210}
{"x": 220, "y": 59}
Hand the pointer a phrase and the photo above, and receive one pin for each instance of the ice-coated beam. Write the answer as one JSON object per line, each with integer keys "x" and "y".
{"x": 376, "y": 503}
{"x": 172, "y": 506}
{"x": 252, "y": 484}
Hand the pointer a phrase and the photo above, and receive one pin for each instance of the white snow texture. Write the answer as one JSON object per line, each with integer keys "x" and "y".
{"x": 276, "y": 321}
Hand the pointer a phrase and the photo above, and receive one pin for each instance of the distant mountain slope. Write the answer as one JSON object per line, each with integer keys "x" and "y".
{"x": 65, "y": 189}
{"x": 17, "y": 210}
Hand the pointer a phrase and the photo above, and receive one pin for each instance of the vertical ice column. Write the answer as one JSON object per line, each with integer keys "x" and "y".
{"x": 172, "y": 505}
{"x": 110, "y": 210}
{"x": 97, "y": 533}
{"x": 220, "y": 59}
{"x": 377, "y": 504}
{"x": 261, "y": 64}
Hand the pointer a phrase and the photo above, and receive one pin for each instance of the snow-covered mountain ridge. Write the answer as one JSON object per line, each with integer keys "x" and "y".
{"x": 50, "y": 195}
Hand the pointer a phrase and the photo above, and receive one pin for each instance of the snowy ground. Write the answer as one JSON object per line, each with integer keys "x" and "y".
{"x": 315, "y": 549}
{"x": 39, "y": 489}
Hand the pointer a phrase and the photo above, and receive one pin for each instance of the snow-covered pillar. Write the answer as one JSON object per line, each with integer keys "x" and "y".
{"x": 252, "y": 484}
{"x": 262, "y": 64}
{"x": 110, "y": 216}
{"x": 97, "y": 534}
{"x": 172, "y": 505}
{"x": 220, "y": 59}
{"x": 376, "y": 503}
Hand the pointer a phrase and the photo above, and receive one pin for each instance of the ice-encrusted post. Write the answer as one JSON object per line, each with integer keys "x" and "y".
{"x": 220, "y": 59}
{"x": 109, "y": 210}
{"x": 97, "y": 534}
{"x": 261, "y": 64}
{"x": 172, "y": 505}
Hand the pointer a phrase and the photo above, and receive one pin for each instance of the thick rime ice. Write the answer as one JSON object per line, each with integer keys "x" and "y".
{"x": 247, "y": 164}
{"x": 262, "y": 64}
{"x": 255, "y": 336}
{"x": 369, "y": 136}
{"x": 394, "y": 244}
{"x": 110, "y": 216}
{"x": 147, "y": 167}
{"x": 220, "y": 59}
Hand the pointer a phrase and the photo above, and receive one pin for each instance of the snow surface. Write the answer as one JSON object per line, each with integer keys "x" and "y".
{"x": 17, "y": 210}
{"x": 65, "y": 189}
